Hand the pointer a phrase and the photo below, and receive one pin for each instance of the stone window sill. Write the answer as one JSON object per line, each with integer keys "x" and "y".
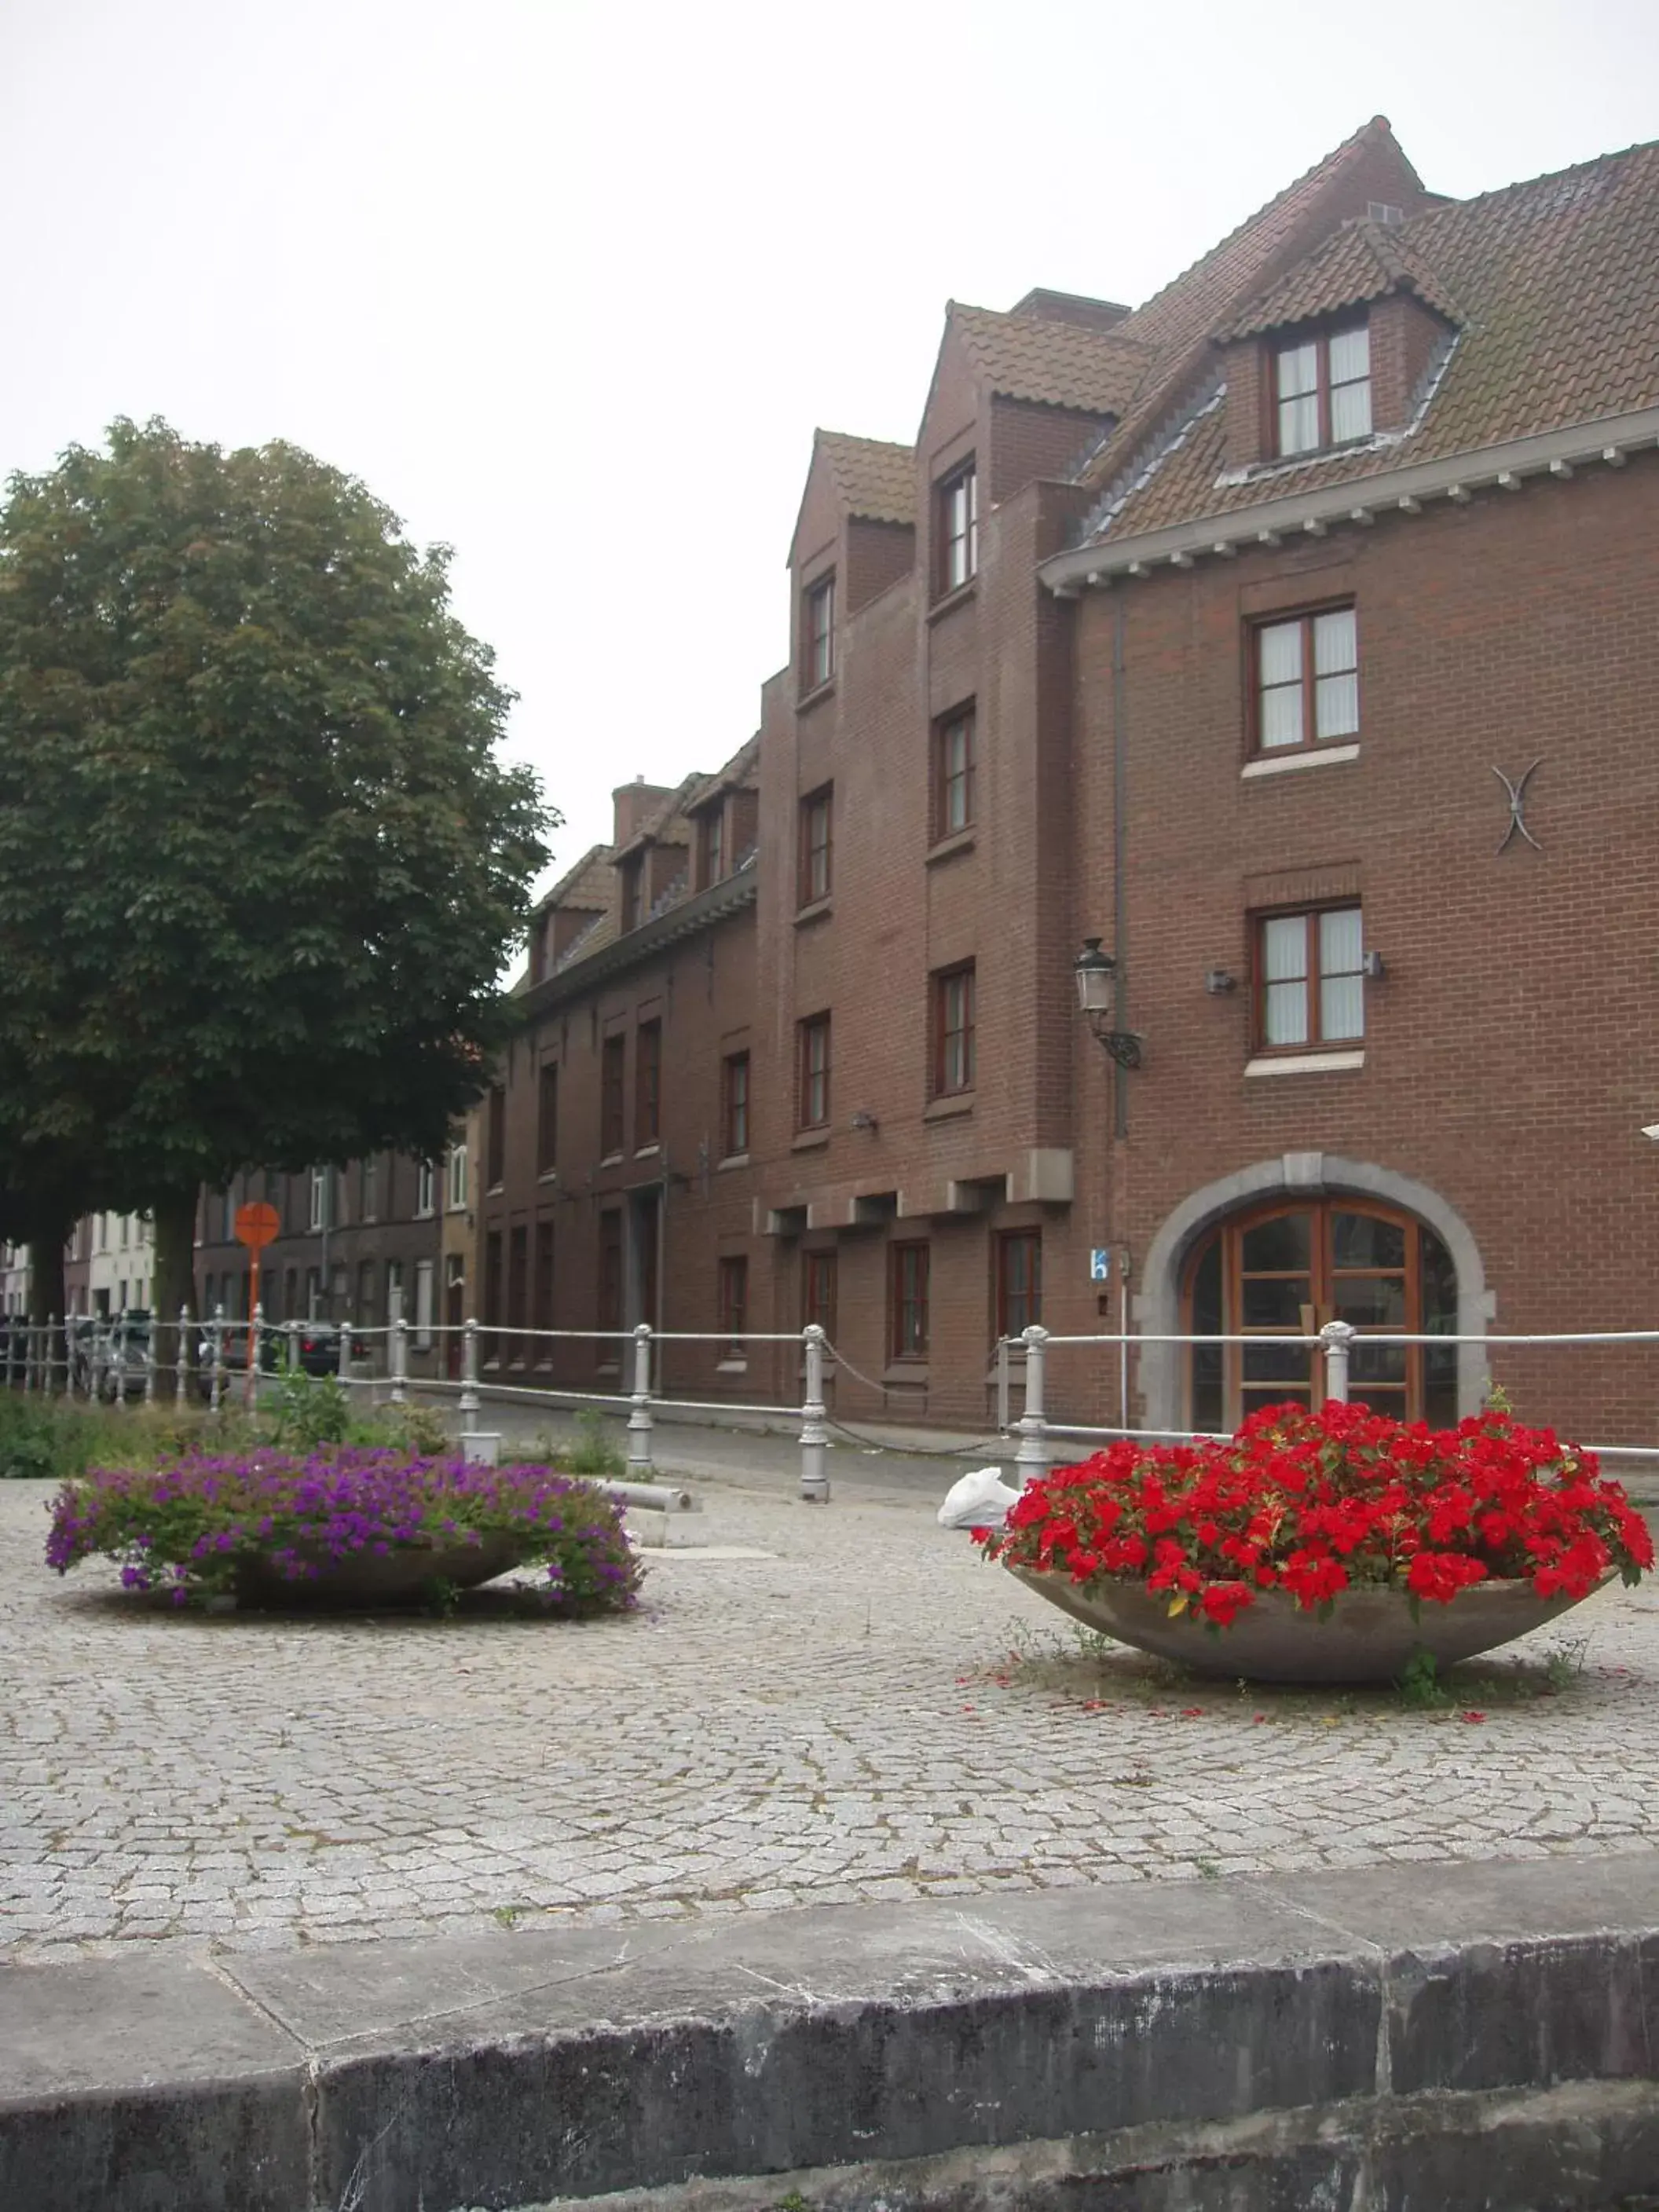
{"x": 913, "y": 1371}
{"x": 731, "y": 1160}
{"x": 953, "y": 599}
{"x": 548, "y": 1174}
{"x": 810, "y": 1140}
{"x": 731, "y": 1367}
{"x": 823, "y": 691}
{"x": 1304, "y": 756}
{"x": 647, "y": 1152}
{"x": 818, "y": 910}
{"x": 1304, "y": 1063}
{"x": 962, "y": 841}
{"x": 946, "y": 1109}
{"x": 611, "y": 1159}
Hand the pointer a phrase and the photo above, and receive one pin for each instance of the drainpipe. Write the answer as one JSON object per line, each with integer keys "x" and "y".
{"x": 1119, "y": 836}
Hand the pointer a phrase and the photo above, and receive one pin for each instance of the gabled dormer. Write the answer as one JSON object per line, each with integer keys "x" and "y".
{"x": 1339, "y": 351}
{"x": 723, "y": 814}
{"x": 854, "y": 536}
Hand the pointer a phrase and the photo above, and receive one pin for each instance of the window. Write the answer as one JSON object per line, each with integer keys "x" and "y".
{"x": 953, "y": 1031}
{"x": 817, "y": 646}
{"x": 712, "y": 836}
{"x": 734, "y": 1106}
{"x": 369, "y": 1196}
{"x": 953, "y": 773}
{"x": 458, "y": 1178}
{"x": 817, "y": 1290}
{"x": 1322, "y": 391}
{"x": 908, "y": 1303}
{"x": 542, "y": 1288}
{"x": 816, "y": 847}
{"x": 1307, "y": 680}
{"x": 633, "y": 890}
{"x": 1309, "y": 979}
{"x": 517, "y": 1290}
{"x": 547, "y": 1118}
{"x": 126, "y": 1228}
{"x": 426, "y": 1186}
{"x": 610, "y": 1281}
{"x": 648, "y": 1085}
{"x": 1020, "y": 1281}
{"x": 318, "y": 1214}
{"x": 1284, "y": 1270}
{"x": 365, "y": 1274}
{"x": 496, "y": 1137}
{"x": 492, "y": 1297}
{"x": 227, "y": 1226}
{"x": 733, "y": 1302}
{"x": 958, "y": 528}
{"x": 424, "y": 1304}
{"x": 812, "y": 1073}
{"x": 612, "y": 1096}
{"x": 394, "y": 1288}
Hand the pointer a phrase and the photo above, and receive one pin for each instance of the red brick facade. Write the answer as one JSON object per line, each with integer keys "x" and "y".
{"x": 1474, "y": 1101}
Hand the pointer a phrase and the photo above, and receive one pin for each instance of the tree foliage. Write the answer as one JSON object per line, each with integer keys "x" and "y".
{"x": 260, "y": 862}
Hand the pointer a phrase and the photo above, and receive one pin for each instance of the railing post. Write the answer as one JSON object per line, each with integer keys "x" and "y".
{"x": 52, "y": 1353}
{"x": 118, "y": 1342}
{"x": 468, "y": 1398}
{"x": 149, "y": 1358}
{"x": 397, "y": 1350}
{"x": 639, "y": 1419}
{"x": 181, "y": 1373}
{"x": 1002, "y": 1386}
{"x": 1335, "y": 1340}
{"x": 290, "y": 1347}
{"x": 1031, "y": 1458}
{"x": 256, "y": 1338}
{"x": 814, "y": 1436}
{"x": 216, "y": 1346}
{"x": 342, "y": 1354}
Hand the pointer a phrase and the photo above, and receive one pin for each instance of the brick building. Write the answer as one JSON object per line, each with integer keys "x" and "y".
{"x": 1238, "y": 632}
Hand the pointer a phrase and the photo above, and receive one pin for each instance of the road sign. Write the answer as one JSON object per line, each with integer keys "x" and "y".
{"x": 257, "y": 1225}
{"x": 1100, "y": 1264}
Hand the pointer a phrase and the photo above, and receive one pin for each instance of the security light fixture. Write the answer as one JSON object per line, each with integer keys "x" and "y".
{"x": 1218, "y": 982}
{"x": 1097, "y": 991}
{"x": 865, "y": 1120}
{"x": 1651, "y": 1129}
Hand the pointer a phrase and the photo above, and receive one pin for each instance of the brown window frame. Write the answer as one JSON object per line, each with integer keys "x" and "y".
{"x": 647, "y": 1084}
{"x": 711, "y": 845}
{"x": 816, "y": 860}
{"x": 633, "y": 892}
{"x": 1310, "y": 741}
{"x": 613, "y": 1095}
{"x": 1320, "y": 340}
{"x": 945, "y": 982}
{"x": 817, "y": 633}
{"x": 819, "y": 1289}
{"x": 806, "y": 1032}
{"x": 1030, "y": 1242}
{"x": 732, "y": 1292}
{"x": 959, "y": 718}
{"x": 949, "y": 536}
{"x": 1312, "y": 976}
{"x": 909, "y": 1270}
{"x": 547, "y": 1118}
{"x": 734, "y": 1105}
{"x": 544, "y": 1278}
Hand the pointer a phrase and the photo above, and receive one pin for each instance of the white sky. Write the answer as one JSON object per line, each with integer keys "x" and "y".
{"x": 569, "y": 284}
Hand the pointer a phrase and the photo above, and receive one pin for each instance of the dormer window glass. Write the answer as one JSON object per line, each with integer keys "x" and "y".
{"x": 633, "y": 890}
{"x": 958, "y": 528}
{"x": 819, "y": 635}
{"x": 713, "y": 845}
{"x": 1322, "y": 391}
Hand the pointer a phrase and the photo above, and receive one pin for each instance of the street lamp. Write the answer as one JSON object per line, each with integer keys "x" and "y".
{"x": 1097, "y": 993}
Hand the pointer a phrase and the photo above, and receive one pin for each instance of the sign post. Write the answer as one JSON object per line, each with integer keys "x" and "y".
{"x": 255, "y": 1226}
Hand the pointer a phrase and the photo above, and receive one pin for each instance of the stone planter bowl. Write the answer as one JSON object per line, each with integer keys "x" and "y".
{"x": 404, "y": 1576}
{"x": 1369, "y": 1637}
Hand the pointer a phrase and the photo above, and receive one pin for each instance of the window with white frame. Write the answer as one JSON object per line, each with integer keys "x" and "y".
{"x": 318, "y": 1217}
{"x": 458, "y": 1178}
{"x": 426, "y": 1186}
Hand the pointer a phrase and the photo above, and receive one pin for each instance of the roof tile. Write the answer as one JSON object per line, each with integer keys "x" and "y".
{"x": 1360, "y": 262}
{"x": 873, "y": 477}
{"x": 1027, "y": 356}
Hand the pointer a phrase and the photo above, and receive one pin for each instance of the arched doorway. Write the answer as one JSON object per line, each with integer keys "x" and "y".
{"x": 1289, "y": 1265}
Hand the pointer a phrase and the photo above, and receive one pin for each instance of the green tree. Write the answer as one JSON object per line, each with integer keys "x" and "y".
{"x": 260, "y": 861}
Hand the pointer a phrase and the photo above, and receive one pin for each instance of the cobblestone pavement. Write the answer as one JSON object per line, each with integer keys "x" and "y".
{"x": 827, "y": 1705}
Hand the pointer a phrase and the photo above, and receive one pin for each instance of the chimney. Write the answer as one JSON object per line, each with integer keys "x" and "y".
{"x": 1049, "y": 306}
{"x": 635, "y": 804}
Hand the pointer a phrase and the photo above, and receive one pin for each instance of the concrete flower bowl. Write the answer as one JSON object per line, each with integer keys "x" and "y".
{"x": 361, "y": 1580}
{"x": 1369, "y": 1637}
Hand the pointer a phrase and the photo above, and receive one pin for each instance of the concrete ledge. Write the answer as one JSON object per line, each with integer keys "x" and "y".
{"x": 1393, "y": 2036}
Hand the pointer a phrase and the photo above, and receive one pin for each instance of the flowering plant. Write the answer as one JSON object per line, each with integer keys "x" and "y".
{"x": 1318, "y": 1502}
{"x": 187, "y": 1525}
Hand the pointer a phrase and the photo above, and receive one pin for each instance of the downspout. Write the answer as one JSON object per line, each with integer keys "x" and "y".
{"x": 1119, "y": 838}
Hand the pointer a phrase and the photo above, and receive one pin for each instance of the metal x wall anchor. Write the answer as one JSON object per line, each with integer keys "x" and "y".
{"x": 1517, "y": 796}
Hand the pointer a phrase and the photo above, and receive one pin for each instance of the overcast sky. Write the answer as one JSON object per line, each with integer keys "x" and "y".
{"x": 568, "y": 284}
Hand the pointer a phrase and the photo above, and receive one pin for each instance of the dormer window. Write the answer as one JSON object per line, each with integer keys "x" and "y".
{"x": 713, "y": 845}
{"x": 1322, "y": 391}
{"x": 633, "y": 892}
{"x": 818, "y": 651}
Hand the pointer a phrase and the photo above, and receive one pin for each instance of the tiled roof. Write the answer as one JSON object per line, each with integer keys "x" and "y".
{"x": 740, "y": 773}
{"x": 872, "y": 478}
{"x": 1360, "y": 262}
{"x": 1556, "y": 281}
{"x": 585, "y": 887}
{"x": 1064, "y": 364}
{"x": 1190, "y": 308}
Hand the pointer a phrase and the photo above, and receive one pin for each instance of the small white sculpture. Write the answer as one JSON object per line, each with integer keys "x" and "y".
{"x": 980, "y": 1500}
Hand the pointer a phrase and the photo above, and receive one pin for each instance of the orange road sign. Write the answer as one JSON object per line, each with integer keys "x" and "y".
{"x": 257, "y": 1225}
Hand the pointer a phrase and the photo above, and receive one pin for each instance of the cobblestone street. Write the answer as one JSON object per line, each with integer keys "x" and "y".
{"x": 822, "y": 1705}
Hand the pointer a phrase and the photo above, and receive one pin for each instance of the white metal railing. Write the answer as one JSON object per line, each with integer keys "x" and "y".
{"x": 119, "y": 1357}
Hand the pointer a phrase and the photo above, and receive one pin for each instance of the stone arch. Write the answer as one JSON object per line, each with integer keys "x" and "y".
{"x": 1314, "y": 1174}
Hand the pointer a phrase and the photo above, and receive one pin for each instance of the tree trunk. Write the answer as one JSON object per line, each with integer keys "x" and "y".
{"x": 47, "y": 1298}
{"x": 174, "y": 1215}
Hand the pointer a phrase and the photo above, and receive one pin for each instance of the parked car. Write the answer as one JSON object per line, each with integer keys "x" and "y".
{"x": 316, "y": 1342}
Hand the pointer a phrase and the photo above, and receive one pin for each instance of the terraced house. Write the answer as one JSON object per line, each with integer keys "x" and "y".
{"x": 1288, "y": 642}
